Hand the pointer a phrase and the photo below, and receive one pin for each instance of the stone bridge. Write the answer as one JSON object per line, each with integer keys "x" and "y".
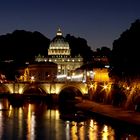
{"x": 43, "y": 87}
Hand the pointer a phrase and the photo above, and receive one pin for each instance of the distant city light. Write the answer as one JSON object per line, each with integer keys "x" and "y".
{"x": 107, "y": 66}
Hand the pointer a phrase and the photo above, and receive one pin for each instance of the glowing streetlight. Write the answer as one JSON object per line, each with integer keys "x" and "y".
{"x": 32, "y": 78}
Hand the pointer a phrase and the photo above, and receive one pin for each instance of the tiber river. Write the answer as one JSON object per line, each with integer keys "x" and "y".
{"x": 37, "y": 121}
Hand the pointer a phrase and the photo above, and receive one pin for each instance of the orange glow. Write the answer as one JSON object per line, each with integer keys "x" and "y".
{"x": 93, "y": 130}
{"x": 105, "y": 133}
{"x": 101, "y": 75}
{"x": 127, "y": 88}
{"x": 30, "y": 123}
{"x": 74, "y": 132}
{"x": 106, "y": 87}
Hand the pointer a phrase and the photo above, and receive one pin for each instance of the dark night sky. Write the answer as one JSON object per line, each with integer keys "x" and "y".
{"x": 100, "y": 22}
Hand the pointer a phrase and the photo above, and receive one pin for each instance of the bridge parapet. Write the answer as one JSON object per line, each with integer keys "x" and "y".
{"x": 47, "y": 87}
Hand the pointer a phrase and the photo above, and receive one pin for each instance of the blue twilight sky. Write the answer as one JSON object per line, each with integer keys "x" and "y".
{"x": 100, "y": 22}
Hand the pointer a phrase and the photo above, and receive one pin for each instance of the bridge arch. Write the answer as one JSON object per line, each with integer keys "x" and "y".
{"x": 4, "y": 89}
{"x": 34, "y": 90}
{"x": 68, "y": 93}
{"x": 79, "y": 87}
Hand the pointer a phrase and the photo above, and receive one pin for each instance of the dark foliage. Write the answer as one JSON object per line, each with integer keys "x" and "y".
{"x": 9, "y": 70}
{"x": 103, "y": 51}
{"x": 79, "y": 46}
{"x": 125, "y": 53}
{"x": 22, "y": 46}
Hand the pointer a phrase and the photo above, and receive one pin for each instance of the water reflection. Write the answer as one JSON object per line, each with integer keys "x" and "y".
{"x": 1, "y": 124}
{"x": 4, "y": 104}
{"x": 88, "y": 130}
{"x": 30, "y": 123}
{"x": 38, "y": 121}
{"x": 93, "y": 130}
{"x": 107, "y": 133}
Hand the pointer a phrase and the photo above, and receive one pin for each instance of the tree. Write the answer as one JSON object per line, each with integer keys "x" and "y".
{"x": 103, "y": 52}
{"x": 79, "y": 46}
{"x": 125, "y": 53}
{"x": 22, "y": 46}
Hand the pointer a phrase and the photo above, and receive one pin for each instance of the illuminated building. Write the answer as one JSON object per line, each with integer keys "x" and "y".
{"x": 2, "y": 78}
{"x": 59, "y": 52}
{"x": 39, "y": 72}
{"x": 97, "y": 72}
{"x": 101, "y": 75}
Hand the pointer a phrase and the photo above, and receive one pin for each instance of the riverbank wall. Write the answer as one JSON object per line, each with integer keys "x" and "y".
{"x": 111, "y": 113}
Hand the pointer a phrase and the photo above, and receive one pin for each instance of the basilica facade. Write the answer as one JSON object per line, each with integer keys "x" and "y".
{"x": 59, "y": 52}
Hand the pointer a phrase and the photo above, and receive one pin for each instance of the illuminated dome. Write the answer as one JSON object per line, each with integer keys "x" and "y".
{"x": 59, "y": 46}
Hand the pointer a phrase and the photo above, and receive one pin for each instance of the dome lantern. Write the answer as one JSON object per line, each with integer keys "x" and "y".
{"x": 59, "y": 33}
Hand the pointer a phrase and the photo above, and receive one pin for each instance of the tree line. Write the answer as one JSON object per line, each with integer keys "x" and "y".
{"x": 125, "y": 54}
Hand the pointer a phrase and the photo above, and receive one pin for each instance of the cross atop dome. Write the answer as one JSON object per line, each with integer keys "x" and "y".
{"x": 59, "y": 32}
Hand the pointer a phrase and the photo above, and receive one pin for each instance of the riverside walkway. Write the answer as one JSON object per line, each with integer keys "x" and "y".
{"x": 119, "y": 114}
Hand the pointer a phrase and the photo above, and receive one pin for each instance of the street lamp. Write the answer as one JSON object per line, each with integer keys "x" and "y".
{"x": 32, "y": 78}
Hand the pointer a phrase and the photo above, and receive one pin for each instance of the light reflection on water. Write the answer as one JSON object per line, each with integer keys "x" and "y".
{"x": 30, "y": 123}
{"x": 1, "y": 124}
{"x": 37, "y": 121}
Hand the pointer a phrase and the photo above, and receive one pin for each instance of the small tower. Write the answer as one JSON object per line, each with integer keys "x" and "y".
{"x": 59, "y": 33}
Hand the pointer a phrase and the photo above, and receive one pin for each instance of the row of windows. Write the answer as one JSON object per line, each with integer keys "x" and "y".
{"x": 59, "y": 50}
{"x": 66, "y": 60}
{"x": 59, "y": 53}
{"x": 58, "y": 47}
